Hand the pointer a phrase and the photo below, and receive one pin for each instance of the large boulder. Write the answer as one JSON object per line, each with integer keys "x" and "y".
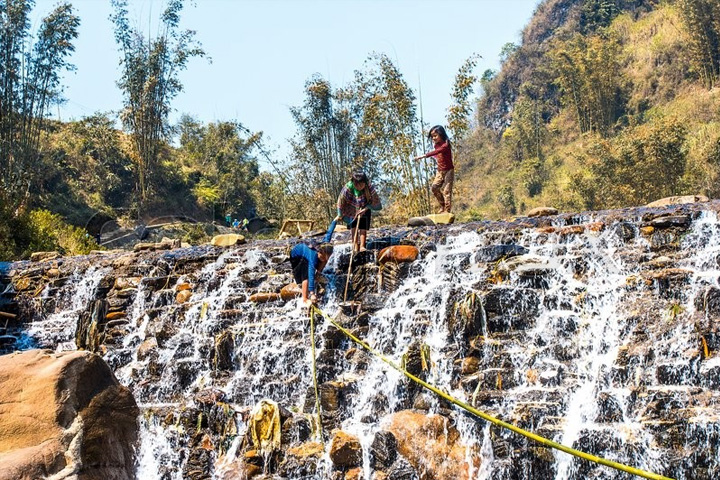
{"x": 64, "y": 415}
{"x": 679, "y": 200}
{"x": 432, "y": 445}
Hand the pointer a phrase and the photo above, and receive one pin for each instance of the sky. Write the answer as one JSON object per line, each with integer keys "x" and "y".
{"x": 263, "y": 52}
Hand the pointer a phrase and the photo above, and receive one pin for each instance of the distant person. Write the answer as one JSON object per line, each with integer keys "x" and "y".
{"x": 244, "y": 224}
{"x": 228, "y": 219}
{"x": 356, "y": 202}
{"x": 236, "y": 223}
{"x": 306, "y": 263}
{"x": 445, "y": 177}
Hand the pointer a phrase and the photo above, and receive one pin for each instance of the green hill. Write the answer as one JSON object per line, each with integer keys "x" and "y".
{"x": 604, "y": 104}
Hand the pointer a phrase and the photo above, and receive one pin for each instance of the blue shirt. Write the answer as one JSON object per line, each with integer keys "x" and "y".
{"x": 302, "y": 250}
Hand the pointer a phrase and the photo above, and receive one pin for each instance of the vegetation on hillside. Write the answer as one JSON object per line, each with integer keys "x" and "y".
{"x": 603, "y": 103}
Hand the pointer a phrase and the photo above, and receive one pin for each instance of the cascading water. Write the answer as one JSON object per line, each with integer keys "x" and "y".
{"x": 589, "y": 336}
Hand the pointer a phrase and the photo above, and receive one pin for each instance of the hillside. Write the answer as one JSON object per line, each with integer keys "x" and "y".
{"x": 602, "y": 105}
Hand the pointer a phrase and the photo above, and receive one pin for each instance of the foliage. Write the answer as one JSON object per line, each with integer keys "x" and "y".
{"x": 219, "y": 165}
{"x": 459, "y": 112}
{"x": 150, "y": 81}
{"x": 29, "y": 84}
{"x": 370, "y": 124}
{"x": 702, "y": 20}
{"x": 41, "y": 230}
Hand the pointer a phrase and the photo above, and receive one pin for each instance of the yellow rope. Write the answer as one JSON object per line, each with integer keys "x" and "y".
{"x": 314, "y": 371}
{"x": 491, "y": 419}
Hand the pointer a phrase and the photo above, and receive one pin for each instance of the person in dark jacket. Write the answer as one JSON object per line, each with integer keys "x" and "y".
{"x": 355, "y": 203}
{"x": 306, "y": 262}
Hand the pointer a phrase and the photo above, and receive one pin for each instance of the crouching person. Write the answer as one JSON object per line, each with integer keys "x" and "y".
{"x": 306, "y": 262}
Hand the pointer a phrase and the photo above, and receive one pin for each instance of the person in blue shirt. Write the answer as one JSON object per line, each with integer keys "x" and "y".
{"x": 306, "y": 261}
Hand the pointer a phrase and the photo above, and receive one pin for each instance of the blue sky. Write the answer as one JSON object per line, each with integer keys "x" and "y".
{"x": 263, "y": 52}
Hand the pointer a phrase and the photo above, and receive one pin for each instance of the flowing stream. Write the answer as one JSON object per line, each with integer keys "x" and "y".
{"x": 588, "y": 338}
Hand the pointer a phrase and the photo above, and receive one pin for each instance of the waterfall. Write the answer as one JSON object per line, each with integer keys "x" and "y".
{"x": 599, "y": 338}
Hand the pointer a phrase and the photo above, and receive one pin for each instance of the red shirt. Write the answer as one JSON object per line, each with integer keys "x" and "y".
{"x": 443, "y": 155}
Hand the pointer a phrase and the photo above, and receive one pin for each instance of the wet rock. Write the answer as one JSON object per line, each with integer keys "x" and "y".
{"x": 301, "y": 460}
{"x": 609, "y": 409}
{"x": 708, "y": 301}
{"x": 431, "y": 444}
{"x": 626, "y": 231}
{"x": 224, "y": 351}
{"x": 402, "y": 470}
{"x": 494, "y": 253}
{"x": 345, "y": 450}
{"x": 296, "y": 430}
{"x": 383, "y": 451}
{"x": 147, "y": 348}
{"x": 682, "y": 221}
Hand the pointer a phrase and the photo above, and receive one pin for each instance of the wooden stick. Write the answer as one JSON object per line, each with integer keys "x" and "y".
{"x": 8, "y": 315}
{"x": 352, "y": 253}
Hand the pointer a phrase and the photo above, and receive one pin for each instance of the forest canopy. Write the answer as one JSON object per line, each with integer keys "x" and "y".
{"x": 602, "y": 104}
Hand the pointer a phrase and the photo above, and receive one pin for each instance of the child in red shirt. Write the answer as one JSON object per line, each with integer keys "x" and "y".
{"x": 445, "y": 176}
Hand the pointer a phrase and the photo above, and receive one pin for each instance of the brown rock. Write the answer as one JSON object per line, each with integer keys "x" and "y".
{"x": 469, "y": 365}
{"x": 64, "y": 413}
{"x": 596, "y": 226}
{"x": 182, "y": 287}
{"x": 290, "y": 291}
{"x": 43, "y": 256}
{"x": 398, "y": 254}
{"x": 431, "y": 445}
{"x": 547, "y": 230}
{"x": 115, "y": 315}
{"x": 664, "y": 202}
{"x": 183, "y": 296}
{"x": 572, "y": 230}
{"x": 121, "y": 283}
{"x": 264, "y": 297}
{"x": 542, "y": 212}
{"x": 354, "y": 474}
{"x": 345, "y": 450}
{"x": 147, "y": 348}
{"x": 647, "y": 230}
{"x": 227, "y": 240}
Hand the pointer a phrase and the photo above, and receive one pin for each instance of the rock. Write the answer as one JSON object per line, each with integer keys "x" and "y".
{"x": 542, "y": 212}
{"x": 227, "y": 240}
{"x": 64, "y": 415}
{"x": 430, "y": 220}
{"x": 494, "y": 253}
{"x": 682, "y": 221}
{"x": 43, "y": 256}
{"x": 265, "y": 297}
{"x": 354, "y": 474}
{"x": 290, "y": 291}
{"x": 183, "y": 296}
{"x": 121, "y": 283}
{"x": 398, "y": 254}
{"x": 301, "y": 460}
{"x": 345, "y": 450}
{"x": 664, "y": 202}
{"x": 182, "y": 287}
{"x": 431, "y": 444}
{"x": 115, "y": 315}
{"x": 147, "y": 347}
{"x": 383, "y": 450}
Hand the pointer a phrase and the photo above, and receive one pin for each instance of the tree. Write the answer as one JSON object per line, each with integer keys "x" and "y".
{"x": 388, "y": 136}
{"x": 324, "y": 144}
{"x": 702, "y": 19}
{"x": 586, "y": 70}
{"x": 150, "y": 81}
{"x": 459, "y": 112}
{"x": 219, "y": 164}
{"x": 29, "y": 84}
